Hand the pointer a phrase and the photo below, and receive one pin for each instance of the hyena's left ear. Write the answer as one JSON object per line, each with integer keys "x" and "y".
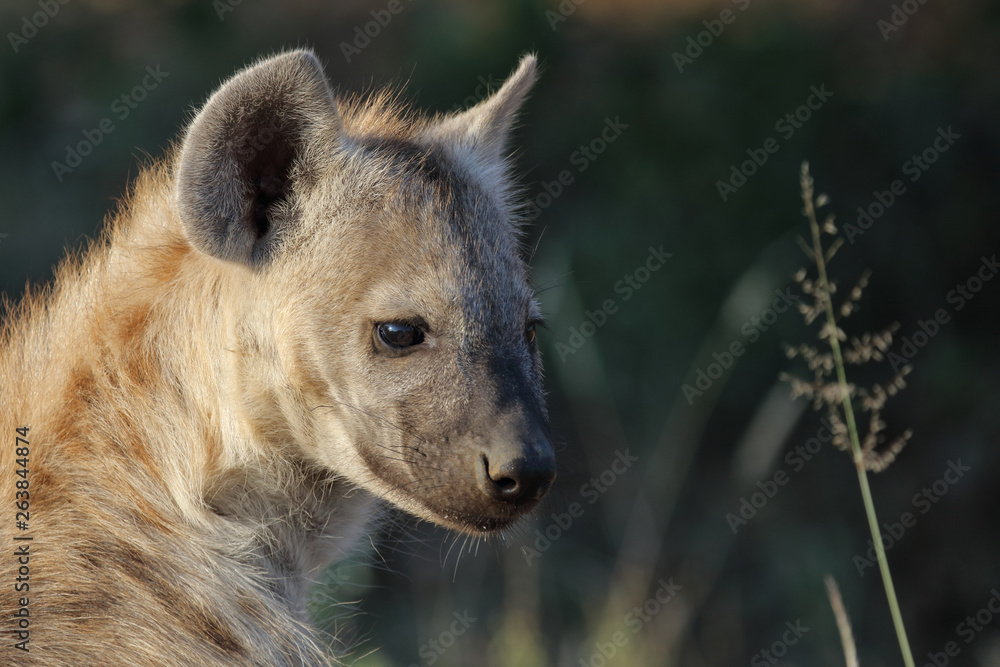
{"x": 255, "y": 138}
{"x": 483, "y": 130}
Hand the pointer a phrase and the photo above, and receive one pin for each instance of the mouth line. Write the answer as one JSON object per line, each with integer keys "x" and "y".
{"x": 478, "y": 523}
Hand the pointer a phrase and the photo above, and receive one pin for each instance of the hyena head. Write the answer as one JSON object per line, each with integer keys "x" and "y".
{"x": 387, "y": 328}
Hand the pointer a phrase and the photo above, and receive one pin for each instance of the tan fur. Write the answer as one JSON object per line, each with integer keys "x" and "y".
{"x": 210, "y": 427}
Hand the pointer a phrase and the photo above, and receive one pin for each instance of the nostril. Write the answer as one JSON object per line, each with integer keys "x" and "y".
{"x": 514, "y": 481}
{"x": 497, "y": 484}
{"x": 505, "y": 484}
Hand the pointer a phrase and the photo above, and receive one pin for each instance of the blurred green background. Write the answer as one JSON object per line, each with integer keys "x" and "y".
{"x": 686, "y": 89}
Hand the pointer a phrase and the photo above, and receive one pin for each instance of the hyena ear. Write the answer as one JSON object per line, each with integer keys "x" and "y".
{"x": 485, "y": 128}
{"x": 241, "y": 157}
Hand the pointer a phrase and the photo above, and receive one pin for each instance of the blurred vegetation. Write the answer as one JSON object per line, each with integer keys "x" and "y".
{"x": 663, "y": 519}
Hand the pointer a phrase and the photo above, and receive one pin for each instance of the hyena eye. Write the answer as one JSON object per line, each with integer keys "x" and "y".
{"x": 529, "y": 333}
{"x": 398, "y": 335}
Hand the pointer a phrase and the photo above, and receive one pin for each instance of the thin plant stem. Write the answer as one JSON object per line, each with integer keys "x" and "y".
{"x": 843, "y": 622}
{"x": 859, "y": 459}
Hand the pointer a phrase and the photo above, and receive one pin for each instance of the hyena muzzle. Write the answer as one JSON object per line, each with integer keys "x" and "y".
{"x": 311, "y": 307}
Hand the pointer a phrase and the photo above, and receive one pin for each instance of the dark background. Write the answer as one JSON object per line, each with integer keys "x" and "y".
{"x": 664, "y": 517}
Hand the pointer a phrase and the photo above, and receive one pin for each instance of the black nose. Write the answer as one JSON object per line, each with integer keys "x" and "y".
{"x": 517, "y": 474}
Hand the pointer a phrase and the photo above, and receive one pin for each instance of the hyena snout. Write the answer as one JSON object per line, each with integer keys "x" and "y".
{"x": 517, "y": 470}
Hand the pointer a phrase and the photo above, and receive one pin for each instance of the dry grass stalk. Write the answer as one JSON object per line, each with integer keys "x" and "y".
{"x": 834, "y": 393}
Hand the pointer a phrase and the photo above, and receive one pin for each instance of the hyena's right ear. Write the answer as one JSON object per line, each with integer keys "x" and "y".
{"x": 482, "y": 131}
{"x": 261, "y": 131}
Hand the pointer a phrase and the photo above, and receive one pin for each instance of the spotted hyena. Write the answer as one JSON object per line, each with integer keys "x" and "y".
{"x": 311, "y": 308}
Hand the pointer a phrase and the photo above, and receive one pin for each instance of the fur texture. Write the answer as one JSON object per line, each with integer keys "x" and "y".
{"x": 215, "y": 413}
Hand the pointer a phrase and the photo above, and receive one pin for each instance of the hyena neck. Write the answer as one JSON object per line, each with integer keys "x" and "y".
{"x": 171, "y": 327}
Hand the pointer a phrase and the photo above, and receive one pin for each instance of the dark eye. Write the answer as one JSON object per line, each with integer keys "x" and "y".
{"x": 529, "y": 333}
{"x": 399, "y": 335}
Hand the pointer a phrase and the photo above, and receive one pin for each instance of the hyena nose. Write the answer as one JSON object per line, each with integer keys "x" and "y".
{"x": 517, "y": 473}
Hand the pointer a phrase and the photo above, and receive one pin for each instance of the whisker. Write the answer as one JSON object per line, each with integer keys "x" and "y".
{"x": 453, "y": 543}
